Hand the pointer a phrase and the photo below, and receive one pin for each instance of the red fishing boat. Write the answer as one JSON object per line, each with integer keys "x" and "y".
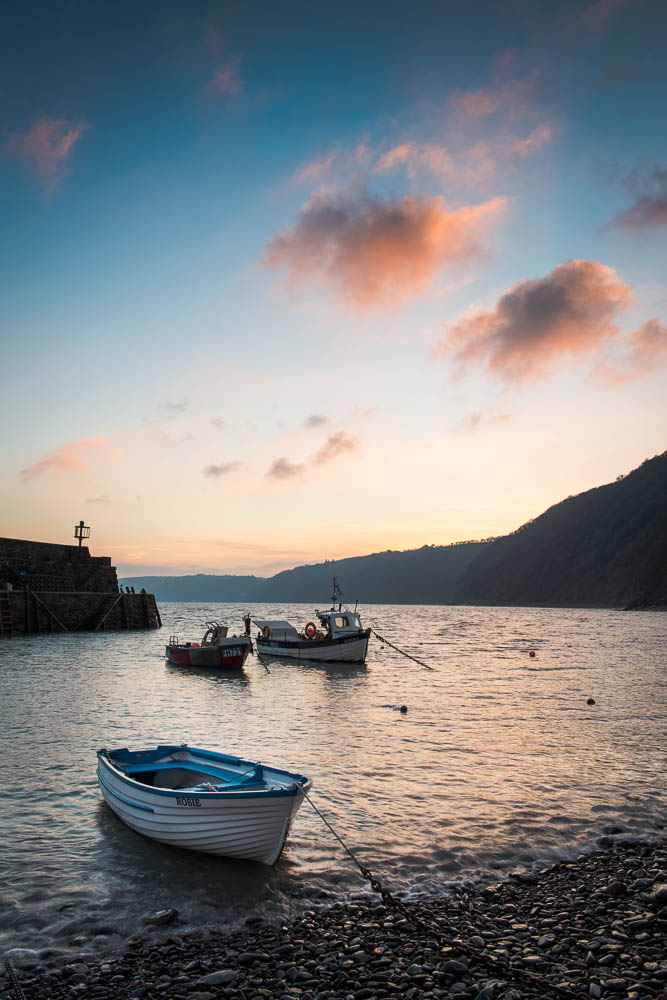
{"x": 216, "y": 649}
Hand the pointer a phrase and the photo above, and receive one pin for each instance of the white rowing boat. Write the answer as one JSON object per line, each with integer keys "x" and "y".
{"x": 202, "y": 800}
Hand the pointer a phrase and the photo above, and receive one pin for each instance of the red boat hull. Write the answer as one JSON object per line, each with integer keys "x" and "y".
{"x": 230, "y": 655}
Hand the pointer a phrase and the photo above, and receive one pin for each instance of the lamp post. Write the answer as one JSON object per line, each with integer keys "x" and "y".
{"x": 81, "y": 531}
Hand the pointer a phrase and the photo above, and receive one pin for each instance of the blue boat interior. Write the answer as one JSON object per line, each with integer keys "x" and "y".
{"x": 179, "y": 775}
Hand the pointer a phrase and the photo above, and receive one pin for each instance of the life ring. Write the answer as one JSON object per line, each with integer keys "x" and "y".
{"x": 310, "y": 630}
{"x": 266, "y": 632}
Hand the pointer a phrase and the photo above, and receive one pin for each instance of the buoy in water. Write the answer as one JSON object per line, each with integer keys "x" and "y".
{"x": 591, "y": 701}
{"x": 532, "y": 652}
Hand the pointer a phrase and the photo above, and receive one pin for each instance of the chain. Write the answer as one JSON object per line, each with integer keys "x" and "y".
{"x": 402, "y": 651}
{"x": 506, "y": 969}
{"x": 16, "y": 986}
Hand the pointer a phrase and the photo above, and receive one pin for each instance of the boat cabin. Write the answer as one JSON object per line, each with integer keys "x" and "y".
{"x": 339, "y": 623}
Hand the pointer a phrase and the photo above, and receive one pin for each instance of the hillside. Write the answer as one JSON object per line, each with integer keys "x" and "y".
{"x": 417, "y": 576}
{"x": 606, "y": 547}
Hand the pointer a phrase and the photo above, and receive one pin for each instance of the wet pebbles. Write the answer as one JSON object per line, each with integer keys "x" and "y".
{"x": 593, "y": 927}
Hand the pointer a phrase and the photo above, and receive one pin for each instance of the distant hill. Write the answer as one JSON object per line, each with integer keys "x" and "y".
{"x": 606, "y": 547}
{"x": 200, "y": 587}
{"x": 417, "y": 576}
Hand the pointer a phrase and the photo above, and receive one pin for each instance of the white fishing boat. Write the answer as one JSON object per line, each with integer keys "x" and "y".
{"x": 339, "y": 636}
{"x": 202, "y": 800}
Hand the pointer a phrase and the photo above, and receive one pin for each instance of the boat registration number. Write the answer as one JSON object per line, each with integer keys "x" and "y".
{"x": 231, "y": 652}
{"x": 192, "y": 803}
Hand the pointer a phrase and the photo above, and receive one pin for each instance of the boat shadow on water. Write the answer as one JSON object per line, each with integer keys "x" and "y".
{"x": 332, "y": 668}
{"x": 235, "y": 675}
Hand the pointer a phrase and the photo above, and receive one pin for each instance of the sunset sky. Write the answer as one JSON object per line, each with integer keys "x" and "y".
{"x": 287, "y": 282}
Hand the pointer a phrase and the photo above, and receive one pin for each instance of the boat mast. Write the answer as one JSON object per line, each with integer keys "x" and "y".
{"x": 336, "y": 595}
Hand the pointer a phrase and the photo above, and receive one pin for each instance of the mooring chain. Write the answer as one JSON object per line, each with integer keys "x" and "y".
{"x": 16, "y": 986}
{"x": 402, "y": 651}
{"x": 507, "y": 969}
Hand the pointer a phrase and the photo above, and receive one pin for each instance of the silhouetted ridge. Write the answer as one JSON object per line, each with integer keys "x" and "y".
{"x": 417, "y": 576}
{"x": 606, "y": 547}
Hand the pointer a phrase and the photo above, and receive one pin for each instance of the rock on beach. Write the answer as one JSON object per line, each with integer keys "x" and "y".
{"x": 594, "y": 927}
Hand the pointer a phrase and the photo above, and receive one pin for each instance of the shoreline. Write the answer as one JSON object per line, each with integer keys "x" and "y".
{"x": 591, "y": 927}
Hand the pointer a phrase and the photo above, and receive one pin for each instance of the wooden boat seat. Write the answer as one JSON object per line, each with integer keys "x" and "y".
{"x": 218, "y": 774}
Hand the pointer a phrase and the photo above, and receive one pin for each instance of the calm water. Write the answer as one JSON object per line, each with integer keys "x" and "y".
{"x": 498, "y": 762}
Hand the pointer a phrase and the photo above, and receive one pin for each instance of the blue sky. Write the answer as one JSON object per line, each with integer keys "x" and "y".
{"x": 286, "y": 283}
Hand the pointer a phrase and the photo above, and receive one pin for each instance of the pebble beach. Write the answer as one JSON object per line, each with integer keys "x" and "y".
{"x": 595, "y": 927}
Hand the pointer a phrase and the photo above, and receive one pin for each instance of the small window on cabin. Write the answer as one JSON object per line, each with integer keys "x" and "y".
{"x": 341, "y": 622}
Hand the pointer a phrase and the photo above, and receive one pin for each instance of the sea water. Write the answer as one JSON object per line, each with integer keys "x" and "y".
{"x": 499, "y": 761}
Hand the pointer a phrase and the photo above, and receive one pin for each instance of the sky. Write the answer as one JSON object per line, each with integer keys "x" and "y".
{"x": 289, "y": 282}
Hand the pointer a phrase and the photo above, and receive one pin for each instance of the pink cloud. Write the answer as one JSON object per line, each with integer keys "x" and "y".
{"x": 375, "y": 253}
{"x": 650, "y": 207}
{"x": 223, "y": 469}
{"x": 537, "y": 323}
{"x": 47, "y": 146}
{"x": 597, "y": 14}
{"x": 478, "y": 162}
{"x": 282, "y": 468}
{"x": 645, "y": 350}
{"x": 473, "y": 421}
{"x": 509, "y": 95}
{"x": 337, "y": 444}
{"x": 226, "y": 80}
{"x": 70, "y": 458}
{"x": 341, "y": 160}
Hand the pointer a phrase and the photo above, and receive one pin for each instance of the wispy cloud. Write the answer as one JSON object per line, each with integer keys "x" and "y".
{"x": 100, "y": 499}
{"x": 226, "y": 80}
{"x": 538, "y": 323}
{"x": 282, "y": 468}
{"x": 337, "y": 444}
{"x": 47, "y": 147}
{"x": 472, "y": 422}
{"x": 341, "y": 160}
{"x": 70, "y": 458}
{"x": 596, "y": 15}
{"x": 476, "y": 163}
{"x": 650, "y": 208}
{"x": 374, "y": 253}
{"x": 514, "y": 96}
{"x": 644, "y": 351}
{"x": 175, "y": 405}
{"x": 316, "y": 420}
{"x": 223, "y": 469}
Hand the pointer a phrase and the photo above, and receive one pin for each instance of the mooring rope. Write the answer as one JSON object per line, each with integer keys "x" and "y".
{"x": 402, "y": 651}
{"x": 16, "y": 986}
{"x": 506, "y": 970}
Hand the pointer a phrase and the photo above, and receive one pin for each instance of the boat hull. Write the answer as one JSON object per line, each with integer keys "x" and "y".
{"x": 249, "y": 825}
{"x": 349, "y": 649}
{"x": 226, "y": 656}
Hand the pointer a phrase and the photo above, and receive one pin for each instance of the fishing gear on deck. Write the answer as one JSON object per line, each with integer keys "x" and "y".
{"x": 401, "y": 651}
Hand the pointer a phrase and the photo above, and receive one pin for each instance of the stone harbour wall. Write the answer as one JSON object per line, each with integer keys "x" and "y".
{"x": 47, "y": 566}
{"x": 59, "y": 611}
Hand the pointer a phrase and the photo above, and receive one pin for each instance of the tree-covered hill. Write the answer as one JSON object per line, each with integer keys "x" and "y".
{"x": 606, "y": 547}
{"x": 200, "y": 587}
{"x": 417, "y": 576}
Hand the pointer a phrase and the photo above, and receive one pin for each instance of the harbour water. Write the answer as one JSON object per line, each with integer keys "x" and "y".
{"x": 498, "y": 763}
